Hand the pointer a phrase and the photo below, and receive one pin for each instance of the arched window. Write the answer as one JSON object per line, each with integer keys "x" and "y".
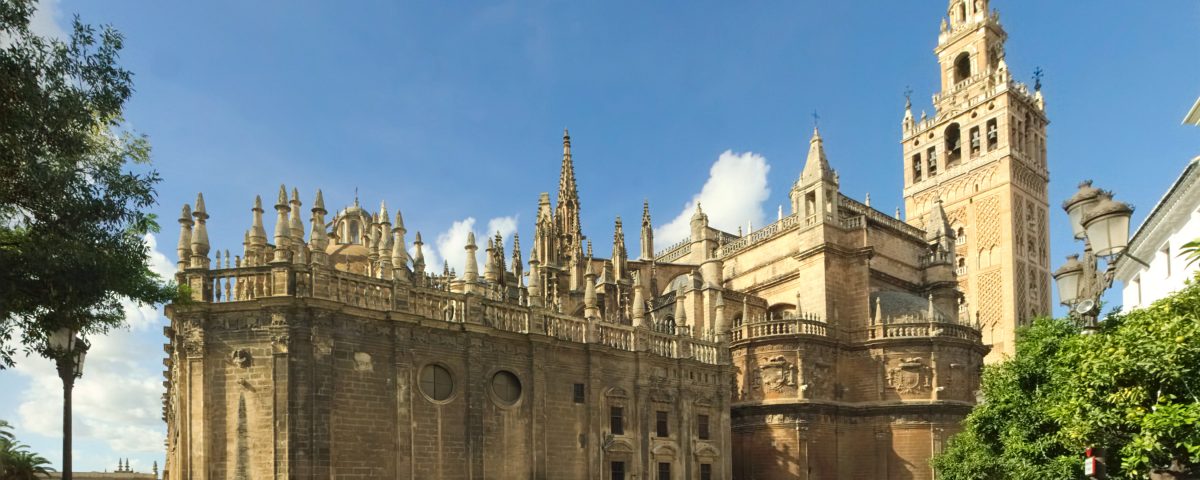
{"x": 962, "y": 67}
{"x": 960, "y": 235}
{"x": 953, "y": 145}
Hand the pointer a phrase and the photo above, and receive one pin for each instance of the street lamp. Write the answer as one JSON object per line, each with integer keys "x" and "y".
{"x": 68, "y": 351}
{"x": 1103, "y": 225}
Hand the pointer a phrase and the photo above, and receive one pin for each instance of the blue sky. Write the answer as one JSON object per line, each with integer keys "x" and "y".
{"x": 453, "y": 112}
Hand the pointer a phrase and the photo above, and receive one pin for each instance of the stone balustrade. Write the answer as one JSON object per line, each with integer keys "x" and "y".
{"x": 789, "y": 325}
{"x": 429, "y": 298}
{"x": 916, "y": 330}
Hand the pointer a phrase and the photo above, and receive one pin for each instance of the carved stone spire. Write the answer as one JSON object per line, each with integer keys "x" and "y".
{"x": 258, "y": 234}
{"x": 418, "y": 255}
{"x": 200, "y": 245}
{"x": 535, "y": 279}
{"x": 639, "y": 301}
{"x": 566, "y": 213}
{"x": 647, "y": 233}
{"x": 516, "y": 257}
{"x": 489, "y": 262}
{"x": 471, "y": 269}
{"x": 318, "y": 239}
{"x": 184, "y": 248}
{"x": 282, "y": 229}
{"x": 590, "y": 309}
{"x": 399, "y": 249}
{"x": 294, "y": 222}
{"x": 619, "y": 255}
{"x": 385, "y": 243}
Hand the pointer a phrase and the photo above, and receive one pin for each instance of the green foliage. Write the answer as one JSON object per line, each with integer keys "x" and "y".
{"x": 1131, "y": 388}
{"x": 16, "y": 461}
{"x": 1191, "y": 251}
{"x": 1012, "y": 434}
{"x": 73, "y": 186}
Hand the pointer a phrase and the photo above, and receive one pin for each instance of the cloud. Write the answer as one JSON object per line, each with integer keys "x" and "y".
{"x": 450, "y": 244}
{"x": 44, "y": 21}
{"x": 733, "y": 194}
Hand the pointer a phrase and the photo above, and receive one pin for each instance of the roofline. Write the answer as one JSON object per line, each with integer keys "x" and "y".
{"x": 1193, "y": 116}
{"x": 1135, "y": 241}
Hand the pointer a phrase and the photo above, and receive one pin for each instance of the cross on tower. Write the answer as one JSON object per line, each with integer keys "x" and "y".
{"x": 908, "y": 91}
{"x": 816, "y": 119}
{"x": 1037, "y": 79}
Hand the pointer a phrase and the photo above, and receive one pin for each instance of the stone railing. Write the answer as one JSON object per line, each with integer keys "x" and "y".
{"x": 916, "y": 330}
{"x": 675, "y": 252}
{"x": 879, "y": 217}
{"x": 789, "y": 325}
{"x": 768, "y": 232}
{"x": 430, "y": 298}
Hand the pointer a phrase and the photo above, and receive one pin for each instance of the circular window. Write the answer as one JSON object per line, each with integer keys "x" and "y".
{"x": 436, "y": 382}
{"x": 506, "y": 387}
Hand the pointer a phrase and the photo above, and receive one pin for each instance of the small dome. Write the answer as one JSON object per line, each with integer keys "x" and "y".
{"x": 349, "y": 257}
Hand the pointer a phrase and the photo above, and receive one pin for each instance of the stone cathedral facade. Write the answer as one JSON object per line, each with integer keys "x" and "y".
{"x": 839, "y": 342}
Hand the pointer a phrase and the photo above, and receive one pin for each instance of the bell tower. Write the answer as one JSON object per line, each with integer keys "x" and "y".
{"x": 983, "y": 155}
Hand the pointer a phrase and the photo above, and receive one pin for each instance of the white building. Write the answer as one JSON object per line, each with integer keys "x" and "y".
{"x": 1174, "y": 221}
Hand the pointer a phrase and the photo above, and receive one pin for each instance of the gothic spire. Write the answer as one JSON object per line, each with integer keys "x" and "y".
{"x": 647, "y": 232}
{"x": 399, "y": 254}
{"x": 516, "y": 257}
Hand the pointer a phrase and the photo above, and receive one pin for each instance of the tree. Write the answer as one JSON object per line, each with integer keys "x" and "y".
{"x": 1013, "y": 433}
{"x": 16, "y": 461}
{"x": 74, "y": 185}
{"x": 1131, "y": 389}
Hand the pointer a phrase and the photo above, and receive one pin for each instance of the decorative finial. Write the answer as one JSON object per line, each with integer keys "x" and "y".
{"x": 908, "y": 91}
{"x": 816, "y": 120}
{"x": 1037, "y": 79}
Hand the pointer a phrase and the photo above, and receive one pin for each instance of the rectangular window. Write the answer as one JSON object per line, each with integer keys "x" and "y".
{"x": 916, "y": 167}
{"x": 664, "y": 471}
{"x": 618, "y": 470}
{"x": 993, "y": 135}
{"x": 975, "y": 146}
{"x": 705, "y": 471}
{"x": 616, "y": 420}
{"x": 702, "y": 426}
{"x": 660, "y": 424}
{"x": 578, "y": 393}
{"x": 932, "y": 156}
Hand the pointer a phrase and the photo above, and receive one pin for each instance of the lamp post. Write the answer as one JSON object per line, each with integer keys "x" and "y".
{"x": 68, "y": 351}
{"x": 1103, "y": 225}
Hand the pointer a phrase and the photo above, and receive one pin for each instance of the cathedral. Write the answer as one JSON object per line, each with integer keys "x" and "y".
{"x": 839, "y": 342}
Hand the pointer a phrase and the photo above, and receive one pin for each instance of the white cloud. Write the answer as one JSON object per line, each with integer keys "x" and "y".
{"x": 45, "y": 20}
{"x": 450, "y": 244}
{"x": 733, "y": 194}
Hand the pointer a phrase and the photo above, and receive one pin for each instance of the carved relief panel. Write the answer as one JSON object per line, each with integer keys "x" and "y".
{"x": 909, "y": 375}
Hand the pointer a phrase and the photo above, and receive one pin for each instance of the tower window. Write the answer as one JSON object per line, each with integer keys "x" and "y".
{"x": 664, "y": 471}
{"x": 975, "y": 142}
{"x": 993, "y": 134}
{"x": 578, "y": 393}
{"x": 953, "y": 144}
{"x": 916, "y": 167}
{"x": 702, "y": 427}
{"x": 962, "y": 67}
{"x": 810, "y": 204}
{"x": 931, "y": 154}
